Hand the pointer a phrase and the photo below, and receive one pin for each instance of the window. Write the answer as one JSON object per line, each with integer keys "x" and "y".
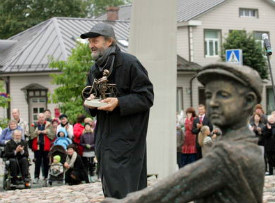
{"x": 270, "y": 105}
{"x": 179, "y": 99}
{"x": 212, "y": 42}
{"x": 258, "y": 37}
{"x": 37, "y": 105}
{"x": 246, "y": 12}
{"x": 201, "y": 95}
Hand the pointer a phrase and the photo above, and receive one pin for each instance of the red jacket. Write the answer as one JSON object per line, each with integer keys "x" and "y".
{"x": 47, "y": 144}
{"x": 78, "y": 130}
{"x": 47, "y": 137}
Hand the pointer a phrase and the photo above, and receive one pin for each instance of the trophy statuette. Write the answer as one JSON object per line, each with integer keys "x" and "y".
{"x": 101, "y": 89}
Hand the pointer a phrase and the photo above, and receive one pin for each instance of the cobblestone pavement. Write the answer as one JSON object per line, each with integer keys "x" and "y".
{"x": 89, "y": 193}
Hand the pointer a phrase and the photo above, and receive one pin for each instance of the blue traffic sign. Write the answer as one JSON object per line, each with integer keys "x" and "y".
{"x": 234, "y": 56}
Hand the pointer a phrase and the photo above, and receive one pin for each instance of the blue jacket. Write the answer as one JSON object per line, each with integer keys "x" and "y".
{"x": 62, "y": 141}
{"x": 7, "y": 134}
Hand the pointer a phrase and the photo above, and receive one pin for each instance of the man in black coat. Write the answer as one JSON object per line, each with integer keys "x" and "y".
{"x": 16, "y": 151}
{"x": 122, "y": 124}
{"x": 198, "y": 122}
{"x": 269, "y": 142}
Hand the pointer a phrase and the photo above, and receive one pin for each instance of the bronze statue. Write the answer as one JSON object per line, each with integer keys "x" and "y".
{"x": 100, "y": 89}
{"x": 233, "y": 171}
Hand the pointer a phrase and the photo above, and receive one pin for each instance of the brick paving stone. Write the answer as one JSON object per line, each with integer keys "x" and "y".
{"x": 91, "y": 193}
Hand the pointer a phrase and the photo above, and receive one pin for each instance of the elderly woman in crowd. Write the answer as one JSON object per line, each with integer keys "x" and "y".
{"x": 7, "y": 132}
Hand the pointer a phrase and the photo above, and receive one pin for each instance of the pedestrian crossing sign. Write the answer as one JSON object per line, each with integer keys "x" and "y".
{"x": 234, "y": 56}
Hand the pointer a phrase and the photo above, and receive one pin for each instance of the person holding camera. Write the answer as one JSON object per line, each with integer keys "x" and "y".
{"x": 42, "y": 135}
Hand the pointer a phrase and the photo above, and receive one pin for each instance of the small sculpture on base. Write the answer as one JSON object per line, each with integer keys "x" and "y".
{"x": 100, "y": 89}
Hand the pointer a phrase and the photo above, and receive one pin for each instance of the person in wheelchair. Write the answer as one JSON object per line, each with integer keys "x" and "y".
{"x": 16, "y": 151}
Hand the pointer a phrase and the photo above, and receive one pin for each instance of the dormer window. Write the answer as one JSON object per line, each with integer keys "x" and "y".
{"x": 247, "y": 12}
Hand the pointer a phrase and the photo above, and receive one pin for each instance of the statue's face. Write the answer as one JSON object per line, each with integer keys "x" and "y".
{"x": 224, "y": 102}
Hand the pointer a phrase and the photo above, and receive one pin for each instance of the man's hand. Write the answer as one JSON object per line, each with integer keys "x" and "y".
{"x": 112, "y": 103}
{"x": 199, "y": 125}
{"x": 18, "y": 149}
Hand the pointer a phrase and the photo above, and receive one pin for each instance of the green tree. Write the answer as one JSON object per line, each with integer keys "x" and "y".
{"x": 99, "y": 6}
{"x": 71, "y": 81}
{"x": 253, "y": 54}
{"x": 4, "y": 101}
{"x": 18, "y": 15}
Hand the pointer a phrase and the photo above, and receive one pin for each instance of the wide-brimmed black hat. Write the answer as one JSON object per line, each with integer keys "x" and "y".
{"x": 100, "y": 29}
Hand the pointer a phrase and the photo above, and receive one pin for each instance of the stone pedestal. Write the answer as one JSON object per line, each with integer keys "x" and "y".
{"x": 153, "y": 41}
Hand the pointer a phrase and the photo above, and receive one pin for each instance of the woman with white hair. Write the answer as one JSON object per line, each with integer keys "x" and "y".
{"x": 6, "y": 134}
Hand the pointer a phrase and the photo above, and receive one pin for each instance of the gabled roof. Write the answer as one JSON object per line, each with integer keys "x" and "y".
{"x": 54, "y": 37}
{"x": 189, "y": 9}
{"x": 184, "y": 65}
{"x": 186, "y": 9}
{"x": 34, "y": 86}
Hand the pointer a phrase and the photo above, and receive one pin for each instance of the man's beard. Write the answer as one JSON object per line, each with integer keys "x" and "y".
{"x": 17, "y": 140}
{"x": 98, "y": 53}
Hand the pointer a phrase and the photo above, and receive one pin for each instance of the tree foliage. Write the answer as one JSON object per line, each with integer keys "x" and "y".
{"x": 71, "y": 81}
{"x": 4, "y": 101}
{"x": 4, "y": 98}
{"x": 99, "y": 6}
{"x": 253, "y": 54}
{"x": 18, "y": 15}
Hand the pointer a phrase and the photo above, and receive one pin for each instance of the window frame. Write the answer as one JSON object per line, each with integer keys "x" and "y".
{"x": 242, "y": 12}
{"x": 179, "y": 99}
{"x": 201, "y": 95}
{"x": 216, "y": 49}
{"x": 269, "y": 97}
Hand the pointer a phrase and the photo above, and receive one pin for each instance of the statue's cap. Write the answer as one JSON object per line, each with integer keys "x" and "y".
{"x": 243, "y": 74}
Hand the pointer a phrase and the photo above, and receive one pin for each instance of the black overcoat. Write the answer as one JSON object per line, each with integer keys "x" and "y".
{"x": 121, "y": 134}
{"x": 11, "y": 146}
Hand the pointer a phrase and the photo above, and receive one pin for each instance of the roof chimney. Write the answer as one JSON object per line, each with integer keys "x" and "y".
{"x": 112, "y": 13}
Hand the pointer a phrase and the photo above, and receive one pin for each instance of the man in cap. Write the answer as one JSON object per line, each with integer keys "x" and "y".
{"x": 122, "y": 124}
{"x": 233, "y": 171}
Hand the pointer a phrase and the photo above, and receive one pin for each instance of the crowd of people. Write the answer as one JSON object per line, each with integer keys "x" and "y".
{"x": 196, "y": 135}
{"x": 76, "y": 140}
{"x": 193, "y": 131}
